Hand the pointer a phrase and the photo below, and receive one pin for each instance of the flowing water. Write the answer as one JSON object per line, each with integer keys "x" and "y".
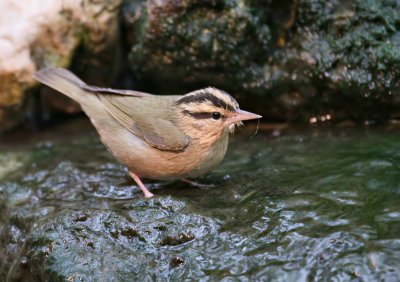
{"x": 310, "y": 204}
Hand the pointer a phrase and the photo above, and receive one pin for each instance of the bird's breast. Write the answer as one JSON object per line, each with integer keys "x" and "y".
{"x": 197, "y": 159}
{"x": 210, "y": 158}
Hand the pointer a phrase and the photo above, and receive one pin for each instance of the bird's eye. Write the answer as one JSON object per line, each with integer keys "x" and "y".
{"x": 216, "y": 115}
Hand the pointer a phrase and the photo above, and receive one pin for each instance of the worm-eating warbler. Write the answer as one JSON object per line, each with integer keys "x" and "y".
{"x": 157, "y": 137}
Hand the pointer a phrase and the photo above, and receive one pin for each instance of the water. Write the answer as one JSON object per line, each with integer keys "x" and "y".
{"x": 306, "y": 204}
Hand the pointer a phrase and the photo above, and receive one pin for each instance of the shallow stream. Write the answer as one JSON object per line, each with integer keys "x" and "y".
{"x": 309, "y": 204}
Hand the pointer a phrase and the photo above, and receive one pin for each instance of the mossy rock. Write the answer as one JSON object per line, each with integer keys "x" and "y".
{"x": 291, "y": 60}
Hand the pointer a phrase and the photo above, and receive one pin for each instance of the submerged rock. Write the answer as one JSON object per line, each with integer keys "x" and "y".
{"x": 53, "y": 33}
{"x": 292, "y": 60}
{"x": 316, "y": 204}
{"x": 92, "y": 244}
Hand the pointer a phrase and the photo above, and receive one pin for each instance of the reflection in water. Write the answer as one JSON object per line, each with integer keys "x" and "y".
{"x": 299, "y": 205}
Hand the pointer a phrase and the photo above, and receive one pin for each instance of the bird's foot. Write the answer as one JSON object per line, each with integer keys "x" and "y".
{"x": 139, "y": 182}
{"x": 196, "y": 184}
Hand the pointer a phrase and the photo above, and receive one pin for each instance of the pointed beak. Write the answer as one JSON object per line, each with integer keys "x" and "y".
{"x": 240, "y": 115}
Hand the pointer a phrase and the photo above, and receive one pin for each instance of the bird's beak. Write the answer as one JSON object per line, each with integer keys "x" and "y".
{"x": 240, "y": 115}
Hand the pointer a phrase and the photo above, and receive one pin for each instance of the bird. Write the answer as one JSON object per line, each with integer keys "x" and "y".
{"x": 159, "y": 137}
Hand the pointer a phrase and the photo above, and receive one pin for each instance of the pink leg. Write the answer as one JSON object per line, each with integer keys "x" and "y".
{"x": 139, "y": 182}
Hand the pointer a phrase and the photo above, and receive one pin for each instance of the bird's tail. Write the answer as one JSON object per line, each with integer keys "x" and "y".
{"x": 65, "y": 82}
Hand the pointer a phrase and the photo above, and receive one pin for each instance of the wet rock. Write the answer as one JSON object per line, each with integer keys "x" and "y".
{"x": 319, "y": 204}
{"x": 80, "y": 34}
{"x": 107, "y": 245}
{"x": 288, "y": 60}
{"x": 122, "y": 237}
{"x": 10, "y": 162}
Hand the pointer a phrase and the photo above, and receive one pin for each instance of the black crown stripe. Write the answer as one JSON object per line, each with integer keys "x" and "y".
{"x": 203, "y": 97}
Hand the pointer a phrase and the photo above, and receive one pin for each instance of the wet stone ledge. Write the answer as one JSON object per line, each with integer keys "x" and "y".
{"x": 315, "y": 203}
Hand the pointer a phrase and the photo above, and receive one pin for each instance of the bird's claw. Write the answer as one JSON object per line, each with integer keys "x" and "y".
{"x": 196, "y": 184}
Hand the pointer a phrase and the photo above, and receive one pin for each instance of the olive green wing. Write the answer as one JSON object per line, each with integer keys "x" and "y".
{"x": 148, "y": 117}
{"x": 143, "y": 114}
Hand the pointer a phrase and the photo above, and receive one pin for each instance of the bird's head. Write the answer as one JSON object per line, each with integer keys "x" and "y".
{"x": 209, "y": 112}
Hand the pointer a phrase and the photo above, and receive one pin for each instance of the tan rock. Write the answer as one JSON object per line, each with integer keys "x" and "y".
{"x": 38, "y": 33}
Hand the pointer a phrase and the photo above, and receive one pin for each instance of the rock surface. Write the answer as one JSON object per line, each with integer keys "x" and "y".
{"x": 53, "y": 33}
{"x": 292, "y": 60}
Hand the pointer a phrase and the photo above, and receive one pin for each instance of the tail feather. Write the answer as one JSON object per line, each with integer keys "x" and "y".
{"x": 63, "y": 81}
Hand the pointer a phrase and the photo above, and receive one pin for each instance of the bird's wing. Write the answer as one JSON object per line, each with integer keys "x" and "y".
{"x": 143, "y": 114}
{"x": 146, "y": 116}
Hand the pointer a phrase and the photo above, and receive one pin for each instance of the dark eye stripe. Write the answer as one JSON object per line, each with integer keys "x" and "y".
{"x": 203, "y": 97}
{"x": 200, "y": 115}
